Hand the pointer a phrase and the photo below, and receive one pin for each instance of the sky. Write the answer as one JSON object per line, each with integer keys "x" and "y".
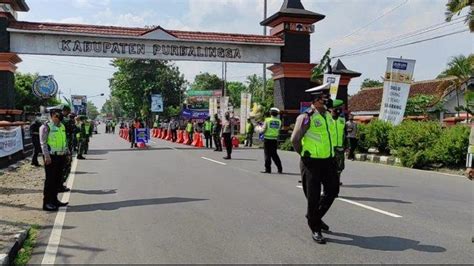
{"x": 349, "y": 24}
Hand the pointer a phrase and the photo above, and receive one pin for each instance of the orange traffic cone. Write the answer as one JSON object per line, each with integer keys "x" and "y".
{"x": 169, "y": 137}
{"x": 199, "y": 143}
{"x": 180, "y": 137}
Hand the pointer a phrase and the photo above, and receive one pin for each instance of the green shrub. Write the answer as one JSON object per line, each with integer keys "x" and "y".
{"x": 377, "y": 134}
{"x": 411, "y": 141}
{"x": 451, "y": 147}
{"x": 241, "y": 138}
{"x": 286, "y": 145}
{"x": 362, "y": 143}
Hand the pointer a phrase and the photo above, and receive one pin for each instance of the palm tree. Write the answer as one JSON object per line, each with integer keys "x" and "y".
{"x": 462, "y": 68}
{"x": 319, "y": 70}
{"x": 454, "y": 7}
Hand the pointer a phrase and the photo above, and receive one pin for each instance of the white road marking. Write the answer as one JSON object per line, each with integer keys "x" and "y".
{"x": 370, "y": 208}
{"x": 214, "y": 161}
{"x": 53, "y": 243}
{"x": 365, "y": 206}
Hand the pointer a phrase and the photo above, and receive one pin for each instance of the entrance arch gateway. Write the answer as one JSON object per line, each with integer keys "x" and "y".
{"x": 287, "y": 47}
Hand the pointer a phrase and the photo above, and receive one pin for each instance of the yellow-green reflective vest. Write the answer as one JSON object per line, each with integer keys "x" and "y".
{"x": 317, "y": 141}
{"x": 207, "y": 126}
{"x": 338, "y": 138}
{"x": 248, "y": 128}
{"x": 88, "y": 128}
{"x": 57, "y": 142}
{"x": 189, "y": 127}
{"x": 272, "y": 129}
{"x": 155, "y": 125}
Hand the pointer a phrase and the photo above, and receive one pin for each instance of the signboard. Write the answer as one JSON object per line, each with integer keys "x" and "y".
{"x": 245, "y": 101}
{"x": 199, "y": 100}
{"x": 142, "y": 135}
{"x": 79, "y": 104}
{"x": 193, "y": 114}
{"x": 45, "y": 87}
{"x": 212, "y": 107}
{"x": 334, "y": 81}
{"x": 140, "y": 47}
{"x": 156, "y": 103}
{"x": 396, "y": 88}
{"x": 11, "y": 141}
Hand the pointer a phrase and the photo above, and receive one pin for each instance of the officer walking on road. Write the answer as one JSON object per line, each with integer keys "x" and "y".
{"x": 54, "y": 148}
{"x": 271, "y": 132}
{"x": 312, "y": 139}
{"x": 339, "y": 138}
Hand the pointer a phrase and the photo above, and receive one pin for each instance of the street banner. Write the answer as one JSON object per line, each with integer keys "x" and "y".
{"x": 396, "y": 88}
{"x": 11, "y": 141}
{"x": 79, "y": 104}
{"x": 199, "y": 100}
{"x": 194, "y": 114}
{"x": 224, "y": 105}
{"x": 142, "y": 135}
{"x": 194, "y": 93}
{"x": 245, "y": 101}
{"x": 334, "y": 81}
{"x": 212, "y": 107}
{"x": 156, "y": 103}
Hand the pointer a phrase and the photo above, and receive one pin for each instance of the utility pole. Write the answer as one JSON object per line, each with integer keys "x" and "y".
{"x": 264, "y": 65}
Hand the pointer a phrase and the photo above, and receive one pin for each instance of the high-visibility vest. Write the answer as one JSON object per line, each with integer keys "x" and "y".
{"x": 189, "y": 127}
{"x": 338, "y": 136}
{"x": 207, "y": 126}
{"x": 88, "y": 128}
{"x": 317, "y": 142}
{"x": 248, "y": 128}
{"x": 155, "y": 125}
{"x": 272, "y": 129}
{"x": 57, "y": 141}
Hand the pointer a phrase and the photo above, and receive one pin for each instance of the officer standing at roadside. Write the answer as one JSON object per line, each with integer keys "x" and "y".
{"x": 216, "y": 133}
{"x": 312, "y": 139}
{"x": 54, "y": 148}
{"x": 207, "y": 132}
{"x": 271, "y": 131}
{"x": 339, "y": 137}
{"x": 34, "y": 132}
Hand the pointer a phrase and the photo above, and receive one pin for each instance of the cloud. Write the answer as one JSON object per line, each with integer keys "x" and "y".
{"x": 108, "y": 17}
{"x": 89, "y": 3}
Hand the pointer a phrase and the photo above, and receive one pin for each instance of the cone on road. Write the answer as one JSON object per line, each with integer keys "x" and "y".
{"x": 199, "y": 142}
{"x": 194, "y": 139}
{"x": 180, "y": 137}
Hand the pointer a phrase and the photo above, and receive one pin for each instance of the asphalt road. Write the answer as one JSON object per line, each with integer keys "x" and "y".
{"x": 167, "y": 204}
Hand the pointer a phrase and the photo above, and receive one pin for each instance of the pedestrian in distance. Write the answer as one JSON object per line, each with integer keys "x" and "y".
{"x": 216, "y": 133}
{"x": 208, "y": 132}
{"x": 227, "y": 135}
{"x": 351, "y": 133}
{"x": 54, "y": 148}
{"x": 339, "y": 138}
{"x": 249, "y": 130}
{"x": 113, "y": 125}
{"x": 80, "y": 137}
{"x": 271, "y": 131}
{"x": 174, "y": 129}
{"x": 34, "y": 132}
{"x": 190, "y": 130}
{"x": 131, "y": 134}
{"x": 312, "y": 140}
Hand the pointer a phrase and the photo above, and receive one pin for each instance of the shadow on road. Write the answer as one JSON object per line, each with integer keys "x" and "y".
{"x": 366, "y": 186}
{"x": 242, "y": 159}
{"x": 84, "y": 173}
{"x": 384, "y": 243}
{"x": 17, "y": 191}
{"x": 110, "y": 206}
{"x": 102, "y": 152}
{"x": 376, "y": 200}
{"x": 95, "y": 192}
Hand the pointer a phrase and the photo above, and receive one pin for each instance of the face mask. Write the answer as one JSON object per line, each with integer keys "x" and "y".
{"x": 328, "y": 103}
{"x": 61, "y": 117}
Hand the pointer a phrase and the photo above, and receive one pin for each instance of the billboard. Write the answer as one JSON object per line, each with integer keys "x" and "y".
{"x": 79, "y": 104}
{"x": 156, "y": 103}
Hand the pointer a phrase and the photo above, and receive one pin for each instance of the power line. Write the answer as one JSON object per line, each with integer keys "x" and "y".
{"x": 370, "y": 23}
{"x": 404, "y": 36}
{"x": 402, "y": 45}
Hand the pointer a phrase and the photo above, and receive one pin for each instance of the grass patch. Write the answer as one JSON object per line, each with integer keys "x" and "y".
{"x": 24, "y": 255}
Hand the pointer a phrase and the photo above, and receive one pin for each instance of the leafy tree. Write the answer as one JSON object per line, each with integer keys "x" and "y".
{"x": 262, "y": 98}
{"x": 112, "y": 106}
{"x": 454, "y": 7}
{"x": 136, "y": 80}
{"x": 370, "y": 83}
{"x": 319, "y": 70}
{"x": 234, "y": 90}
{"x": 92, "y": 111}
{"x": 206, "y": 81}
{"x": 24, "y": 97}
{"x": 421, "y": 105}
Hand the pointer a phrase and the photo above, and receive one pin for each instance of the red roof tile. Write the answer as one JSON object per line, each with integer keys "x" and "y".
{"x": 126, "y": 31}
{"x": 369, "y": 99}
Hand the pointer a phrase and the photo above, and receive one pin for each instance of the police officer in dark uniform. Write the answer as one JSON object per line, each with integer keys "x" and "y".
{"x": 70, "y": 126}
{"x": 34, "y": 132}
{"x": 340, "y": 137}
{"x": 312, "y": 139}
{"x": 55, "y": 150}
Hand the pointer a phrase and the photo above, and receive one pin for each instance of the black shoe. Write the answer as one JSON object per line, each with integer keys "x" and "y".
{"x": 265, "y": 172}
{"x": 226, "y": 158}
{"x": 64, "y": 189}
{"x": 81, "y": 158}
{"x": 50, "y": 207}
{"x": 319, "y": 238}
{"x": 299, "y": 181}
{"x": 280, "y": 172}
{"x": 324, "y": 226}
{"x": 340, "y": 183}
{"x": 216, "y": 150}
{"x": 61, "y": 204}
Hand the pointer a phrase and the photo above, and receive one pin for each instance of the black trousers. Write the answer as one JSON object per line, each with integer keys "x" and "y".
{"x": 191, "y": 137}
{"x": 174, "y": 135}
{"x": 249, "y": 139}
{"x": 36, "y": 150}
{"x": 207, "y": 136}
{"x": 217, "y": 142}
{"x": 270, "y": 147}
{"x": 54, "y": 179}
{"x": 352, "y": 147}
{"x": 314, "y": 173}
{"x": 228, "y": 143}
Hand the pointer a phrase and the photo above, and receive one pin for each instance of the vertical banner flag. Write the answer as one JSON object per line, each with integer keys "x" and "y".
{"x": 396, "y": 88}
{"x": 212, "y": 107}
{"x": 11, "y": 141}
{"x": 156, "y": 103}
{"x": 79, "y": 104}
{"x": 334, "y": 80}
{"x": 224, "y": 104}
{"x": 245, "y": 101}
